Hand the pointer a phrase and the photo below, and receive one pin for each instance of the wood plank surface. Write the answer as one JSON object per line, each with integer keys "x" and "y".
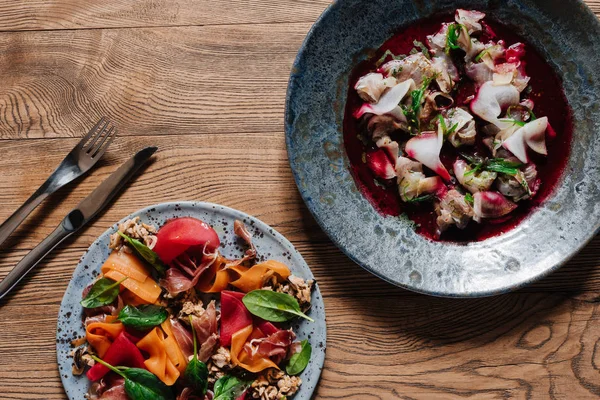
{"x": 205, "y": 81}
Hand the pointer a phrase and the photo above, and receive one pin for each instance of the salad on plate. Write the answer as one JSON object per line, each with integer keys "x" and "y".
{"x": 170, "y": 317}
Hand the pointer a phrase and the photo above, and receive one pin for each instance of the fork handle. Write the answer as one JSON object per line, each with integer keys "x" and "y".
{"x": 22, "y": 212}
{"x": 67, "y": 227}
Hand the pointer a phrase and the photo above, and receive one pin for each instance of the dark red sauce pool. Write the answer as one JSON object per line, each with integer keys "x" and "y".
{"x": 550, "y": 101}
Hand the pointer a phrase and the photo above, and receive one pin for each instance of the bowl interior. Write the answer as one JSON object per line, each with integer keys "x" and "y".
{"x": 347, "y": 33}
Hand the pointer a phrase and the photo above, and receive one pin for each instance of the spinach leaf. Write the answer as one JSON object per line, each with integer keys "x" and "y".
{"x": 299, "y": 361}
{"x": 229, "y": 388}
{"x": 273, "y": 306}
{"x": 102, "y": 293}
{"x": 145, "y": 253}
{"x": 196, "y": 372}
{"x": 140, "y": 384}
{"x": 145, "y": 317}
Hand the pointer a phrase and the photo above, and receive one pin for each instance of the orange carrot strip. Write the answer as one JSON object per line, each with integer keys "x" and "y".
{"x": 158, "y": 363}
{"x": 256, "y": 277}
{"x": 127, "y": 264}
{"x": 100, "y": 335}
{"x": 149, "y": 291}
{"x": 172, "y": 347}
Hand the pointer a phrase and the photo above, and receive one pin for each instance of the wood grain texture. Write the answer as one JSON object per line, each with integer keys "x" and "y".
{"x": 17, "y": 15}
{"x": 211, "y": 98}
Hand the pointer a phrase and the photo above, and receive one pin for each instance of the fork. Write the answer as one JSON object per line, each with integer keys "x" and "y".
{"x": 80, "y": 160}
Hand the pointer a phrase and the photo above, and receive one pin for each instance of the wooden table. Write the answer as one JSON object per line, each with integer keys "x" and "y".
{"x": 205, "y": 81}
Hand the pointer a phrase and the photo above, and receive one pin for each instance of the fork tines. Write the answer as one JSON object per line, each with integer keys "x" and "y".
{"x": 97, "y": 140}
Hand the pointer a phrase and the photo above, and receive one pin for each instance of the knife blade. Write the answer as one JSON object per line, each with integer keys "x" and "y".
{"x": 85, "y": 211}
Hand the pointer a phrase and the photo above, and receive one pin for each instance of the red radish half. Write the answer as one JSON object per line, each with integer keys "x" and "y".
{"x": 234, "y": 315}
{"x": 178, "y": 235}
{"x": 426, "y": 148}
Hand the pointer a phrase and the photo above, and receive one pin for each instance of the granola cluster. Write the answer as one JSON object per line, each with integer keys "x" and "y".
{"x": 274, "y": 385}
{"x": 135, "y": 230}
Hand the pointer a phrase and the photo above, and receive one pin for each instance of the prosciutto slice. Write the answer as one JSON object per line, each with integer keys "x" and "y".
{"x": 206, "y": 325}
{"x": 184, "y": 273}
{"x": 275, "y": 346}
{"x": 183, "y": 337}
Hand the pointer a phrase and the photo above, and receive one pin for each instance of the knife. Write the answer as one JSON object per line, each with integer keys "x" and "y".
{"x": 77, "y": 218}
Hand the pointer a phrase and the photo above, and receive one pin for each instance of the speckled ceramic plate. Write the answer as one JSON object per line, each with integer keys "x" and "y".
{"x": 565, "y": 32}
{"x": 269, "y": 244}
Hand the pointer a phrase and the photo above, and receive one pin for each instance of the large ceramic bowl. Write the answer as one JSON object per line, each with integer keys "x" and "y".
{"x": 565, "y": 32}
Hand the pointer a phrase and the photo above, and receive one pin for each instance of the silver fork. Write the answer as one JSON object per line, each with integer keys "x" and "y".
{"x": 80, "y": 160}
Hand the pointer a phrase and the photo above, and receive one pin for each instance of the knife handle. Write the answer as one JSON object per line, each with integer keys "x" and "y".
{"x": 69, "y": 225}
{"x": 22, "y": 212}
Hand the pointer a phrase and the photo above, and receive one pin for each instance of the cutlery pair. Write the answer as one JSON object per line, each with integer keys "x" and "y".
{"x": 80, "y": 160}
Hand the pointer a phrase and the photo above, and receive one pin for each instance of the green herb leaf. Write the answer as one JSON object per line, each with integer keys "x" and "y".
{"x": 196, "y": 372}
{"x": 452, "y": 37}
{"x": 504, "y": 167}
{"x": 469, "y": 198}
{"x": 143, "y": 317}
{"x": 447, "y": 132}
{"x": 299, "y": 361}
{"x": 420, "y": 199}
{"x": 102, "y": 293}
{"x": 140, "y": 384}
{"x": 273, "y": 306}
{"x": 413, "y": 112}
{"x": 387, "y": 54}
{"x": 144, "y": 385}
{"x": 229, "y": 388}
{"x": 145, "y": 253}
{"x": 480, "y": 55}
{"x": 196, "y": 376}
{"x": 419, "y": 45}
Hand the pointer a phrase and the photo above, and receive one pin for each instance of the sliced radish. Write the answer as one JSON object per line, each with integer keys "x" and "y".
{"x": 532, "y": 135}
{"x": 491, "y": 205}
{"x": 388, "y": 102}
{"x": 426, "y": 148}
{"x": 492, "y": 99}
{"x": 379, "y": 162}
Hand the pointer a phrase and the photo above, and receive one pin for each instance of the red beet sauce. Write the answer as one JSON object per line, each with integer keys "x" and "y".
{"x": 548, "y": 95}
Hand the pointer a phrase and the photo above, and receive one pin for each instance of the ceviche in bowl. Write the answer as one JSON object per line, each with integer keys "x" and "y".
{"x": 460, "y": 125}
{"x": 450, "y": 148}
{"x": 169, "y": 313}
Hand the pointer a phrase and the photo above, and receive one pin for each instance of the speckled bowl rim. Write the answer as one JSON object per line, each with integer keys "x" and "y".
{"x": 70, "y": 311}
{"x": 333, "y": 234}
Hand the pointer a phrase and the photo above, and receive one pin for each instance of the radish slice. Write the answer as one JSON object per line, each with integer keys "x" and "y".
{"x": 388, "y": 102}
{"x": 380, "y": 164}
{"x": 426, "y": 148}
{"x": 491, "y": 205}
{"x": 532, "y": 135}
{"x": 491, "y": 99}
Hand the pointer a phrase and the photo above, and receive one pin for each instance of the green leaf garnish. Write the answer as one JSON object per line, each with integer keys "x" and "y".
{"x": 469, "y": 198}
{"x": 447, "y": 132}
{"x": 273, "y": 306}
{"x": 143, "y": 317}
{"x": 196, "y": 372}
{"x": 387, "y": 54}
{"x": 452, "y": 37}
{"x": 420, "y": 199}
{"x": 140, "y": 384}
{"x": 229, "y": 388}
{"x": 103, "y": 292}
{"x": 499, "y": 165}
{"x": 299, "y": 361}
{"x": 145, "y": 253}
{"x": 413, "y": 111}
{"x": 419, "y": 45}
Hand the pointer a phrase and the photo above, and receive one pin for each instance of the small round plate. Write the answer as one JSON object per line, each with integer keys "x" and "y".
{"x": 565, "y": 32}
{"x": 269, "y": 243}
